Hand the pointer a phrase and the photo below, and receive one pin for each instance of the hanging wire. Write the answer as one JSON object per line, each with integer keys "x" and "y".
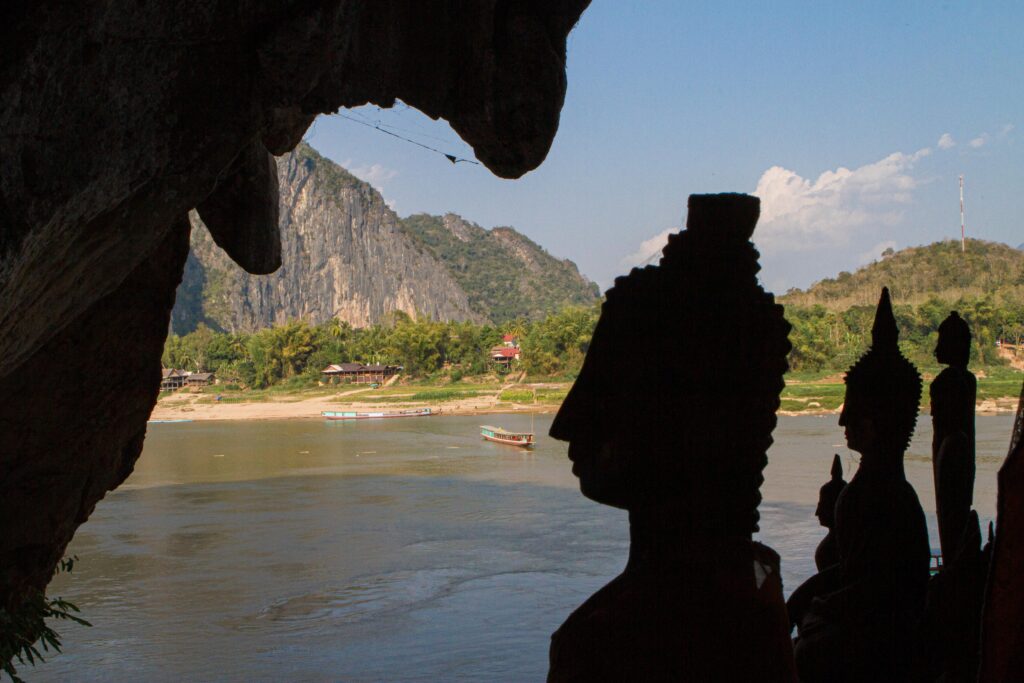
{"x": 378, "y": 126}
{"x": 419, "y": 130}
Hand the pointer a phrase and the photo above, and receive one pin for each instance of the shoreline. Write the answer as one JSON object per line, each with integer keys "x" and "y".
{"x": 191, "y": 407}
{"x": 288, "y": 407}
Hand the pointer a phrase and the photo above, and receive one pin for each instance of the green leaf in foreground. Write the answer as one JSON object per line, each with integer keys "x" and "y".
{"x": 25, "y": 625}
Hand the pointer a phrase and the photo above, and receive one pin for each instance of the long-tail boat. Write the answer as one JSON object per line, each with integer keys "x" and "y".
{"x": 499, "y": 435}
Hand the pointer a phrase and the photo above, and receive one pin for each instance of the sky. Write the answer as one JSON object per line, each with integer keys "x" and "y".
{"x": 851, "y": 122}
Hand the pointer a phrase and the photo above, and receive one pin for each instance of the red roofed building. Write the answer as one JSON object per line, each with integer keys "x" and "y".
{"x": 504, "y": 355}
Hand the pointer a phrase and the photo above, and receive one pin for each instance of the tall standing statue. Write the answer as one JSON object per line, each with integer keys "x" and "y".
{"x": 865, "y": 626}
{"x": 953, "y": 394}
{"x": 670, "y": 419}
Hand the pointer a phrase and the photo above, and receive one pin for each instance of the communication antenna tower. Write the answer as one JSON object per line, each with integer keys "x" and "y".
{"x": 963, "y": 239}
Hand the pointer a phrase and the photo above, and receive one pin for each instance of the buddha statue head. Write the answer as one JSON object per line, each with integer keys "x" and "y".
{"x": 828, "y": 494}
{"x": 677, "y": 395}
{"x": 954, "y": 345}
{"x": 883, "y": 391}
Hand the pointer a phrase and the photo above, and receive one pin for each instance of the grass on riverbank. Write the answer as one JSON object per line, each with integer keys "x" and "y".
{"x": 804, "y": 392}
{"x": 818, "y": 392}
{"x": 431, "y": 395}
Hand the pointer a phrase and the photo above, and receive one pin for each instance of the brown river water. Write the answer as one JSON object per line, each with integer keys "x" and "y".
{"x": 395, "y": 550}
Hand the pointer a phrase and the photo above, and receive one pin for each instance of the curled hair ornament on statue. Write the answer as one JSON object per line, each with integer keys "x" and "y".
{"x": 883, "y": 384}
{"x": 685, "y": 368}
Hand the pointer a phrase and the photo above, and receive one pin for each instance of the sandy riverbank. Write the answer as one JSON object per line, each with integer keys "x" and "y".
{"x": 201, "y": 407}
{"x": 184, "y": 406}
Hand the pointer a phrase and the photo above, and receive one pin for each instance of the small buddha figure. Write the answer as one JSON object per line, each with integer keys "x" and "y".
{"x": 953, "y": 394}
{"x": 670, "y": 419}
{"x": 864, "y": 627}
{"x": 827, "y": 553}
{"x": 826, "y": 556}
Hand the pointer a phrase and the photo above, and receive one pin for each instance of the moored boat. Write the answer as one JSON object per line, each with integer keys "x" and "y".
{"x": 353, "y": 415}
{"x": 499, "y": 435}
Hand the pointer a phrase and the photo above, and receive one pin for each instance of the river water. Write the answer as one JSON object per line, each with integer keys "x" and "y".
{"x": 395, "y": 550}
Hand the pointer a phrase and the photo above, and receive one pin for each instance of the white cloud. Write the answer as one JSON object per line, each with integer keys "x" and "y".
{"x": 946, "y": 141}
{"x": 979, "y": 141}
{"x": 376, "y": 174}
{"x": 800, "y": 214}
{"x": 875, "y": 252}
{"x": 1006, "y": 130}
{"x": 648, "y": 250}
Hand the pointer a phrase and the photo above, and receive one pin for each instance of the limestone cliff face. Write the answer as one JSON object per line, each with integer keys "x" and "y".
{"x": 504, "y": 273}
{"x": 344, "y": 254}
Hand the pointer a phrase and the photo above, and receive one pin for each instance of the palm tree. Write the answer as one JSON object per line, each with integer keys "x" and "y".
{"x": 339, "y": 328}
{"x": 517, "y": 328}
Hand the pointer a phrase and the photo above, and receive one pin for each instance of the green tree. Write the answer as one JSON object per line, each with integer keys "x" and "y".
{"x": 420, "y": 345}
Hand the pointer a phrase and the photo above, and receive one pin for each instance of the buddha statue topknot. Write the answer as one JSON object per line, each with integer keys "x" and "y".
{"x": 670, "y": 419}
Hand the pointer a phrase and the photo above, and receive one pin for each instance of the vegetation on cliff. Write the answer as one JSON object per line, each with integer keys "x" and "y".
{"x": 504, "y": 274}
{"x": 345, "y": 254}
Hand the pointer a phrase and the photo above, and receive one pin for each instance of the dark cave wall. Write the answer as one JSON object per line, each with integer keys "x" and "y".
{"x": 118, "y": 117}
{"x": 78, "y": 409}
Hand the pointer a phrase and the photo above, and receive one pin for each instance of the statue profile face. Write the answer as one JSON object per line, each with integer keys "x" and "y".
{"x": 954, "y": 344}
{"x": 827, "y": 497}
{"x": 859, "y": 426}
{"x": 598, "y": 418}
{"x": 826, "y": 511}
{"x": 942, "y": 351}
{"x": 603, "y": 473}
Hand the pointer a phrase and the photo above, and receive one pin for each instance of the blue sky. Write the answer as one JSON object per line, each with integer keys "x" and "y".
{"x": 851, "y": 122}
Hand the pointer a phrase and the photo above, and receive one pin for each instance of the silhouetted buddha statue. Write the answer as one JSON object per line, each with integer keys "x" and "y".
{"x": 953, "y": 394}
{"x": 865, "y": 627}
{"x": 952, "y": 624}
{"x": 827, "y": 553}
{"x": 670, "y": 419}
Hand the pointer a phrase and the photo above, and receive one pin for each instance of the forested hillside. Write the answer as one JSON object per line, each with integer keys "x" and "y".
{"x": 936, "y": 271}
{"x": 832, "y": 319}
{"x": 505, "y": 274}
{"x": 827, "y": 336}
